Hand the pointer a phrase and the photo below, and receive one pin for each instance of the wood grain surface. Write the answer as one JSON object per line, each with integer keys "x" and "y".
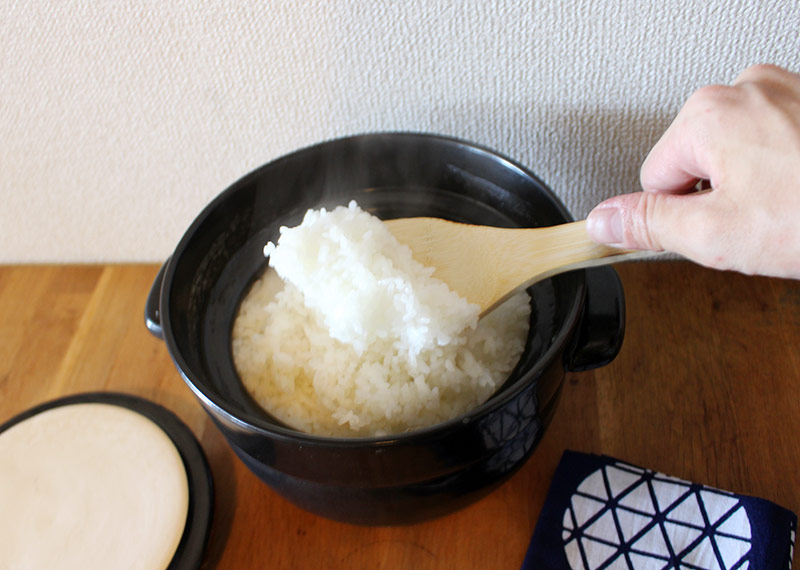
{"x": 705, "y": 388}
{"x": 487, "y": 264}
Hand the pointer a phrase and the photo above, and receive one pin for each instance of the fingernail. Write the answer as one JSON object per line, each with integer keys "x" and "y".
{"x": 605, "y": 225}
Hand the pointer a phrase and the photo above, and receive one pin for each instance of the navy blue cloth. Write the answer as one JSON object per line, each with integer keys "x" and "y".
{"x": 605, "y": 514}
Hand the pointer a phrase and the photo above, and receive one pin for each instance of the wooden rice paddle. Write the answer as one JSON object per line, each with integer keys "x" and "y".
{"x": 488, "y": 264}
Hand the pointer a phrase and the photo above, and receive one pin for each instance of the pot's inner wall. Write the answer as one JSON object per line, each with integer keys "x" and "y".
{"x": 388, "y": 175}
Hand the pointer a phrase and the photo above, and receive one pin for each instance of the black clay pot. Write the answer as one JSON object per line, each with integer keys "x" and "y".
{"x": 577, "y": 324}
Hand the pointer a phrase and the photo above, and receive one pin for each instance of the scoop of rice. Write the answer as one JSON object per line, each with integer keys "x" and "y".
{"x": 362, "y": 340}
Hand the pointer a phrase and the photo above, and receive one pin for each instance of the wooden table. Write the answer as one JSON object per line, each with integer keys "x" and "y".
{"x": 705, "y": 388}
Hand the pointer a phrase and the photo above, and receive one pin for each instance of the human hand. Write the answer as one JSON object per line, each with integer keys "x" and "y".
{"x": 744, "y": 140}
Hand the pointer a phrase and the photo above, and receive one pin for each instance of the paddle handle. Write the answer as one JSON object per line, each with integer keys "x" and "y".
{"x": 514, "y": 259}
{"x": 487, "y": 264}
{"x": 544, "y": 252}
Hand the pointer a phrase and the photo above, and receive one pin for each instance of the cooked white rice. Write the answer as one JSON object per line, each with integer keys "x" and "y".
{"x": 360, "y": 340}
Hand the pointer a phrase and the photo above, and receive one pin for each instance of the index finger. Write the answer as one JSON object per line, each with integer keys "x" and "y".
{"x": 680, "y": 159}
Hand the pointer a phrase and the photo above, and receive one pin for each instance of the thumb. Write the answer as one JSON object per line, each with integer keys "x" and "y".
{"x": 646, "y": 220}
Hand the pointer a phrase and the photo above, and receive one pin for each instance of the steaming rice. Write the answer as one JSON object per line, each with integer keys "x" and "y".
{"x": 360, "y": 340}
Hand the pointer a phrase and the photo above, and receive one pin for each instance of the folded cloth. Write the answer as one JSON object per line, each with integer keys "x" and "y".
{"x": 605, "y": 514}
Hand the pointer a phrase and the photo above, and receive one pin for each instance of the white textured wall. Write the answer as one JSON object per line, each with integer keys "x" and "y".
{"x": 119, "y": 121}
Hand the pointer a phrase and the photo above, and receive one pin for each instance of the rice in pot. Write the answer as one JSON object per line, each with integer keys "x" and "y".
{"x": 359, "y": 339}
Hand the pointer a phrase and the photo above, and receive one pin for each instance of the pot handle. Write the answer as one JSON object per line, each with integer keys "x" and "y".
{"x": 152, "y": 308}
{"x": 600, "y": 331}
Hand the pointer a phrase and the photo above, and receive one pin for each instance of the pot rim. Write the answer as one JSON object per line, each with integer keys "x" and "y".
{"x": 255, "y": 424}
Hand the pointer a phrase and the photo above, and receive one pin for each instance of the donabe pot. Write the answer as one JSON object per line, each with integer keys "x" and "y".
{"x": 577, "y": 323}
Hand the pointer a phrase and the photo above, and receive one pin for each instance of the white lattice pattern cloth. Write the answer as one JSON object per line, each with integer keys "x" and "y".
{"x": 617, "y": 506}
{"x": 605, "y": 514}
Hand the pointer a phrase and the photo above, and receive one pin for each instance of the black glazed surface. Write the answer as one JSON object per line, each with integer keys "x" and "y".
{"x": 372, "y": 480}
